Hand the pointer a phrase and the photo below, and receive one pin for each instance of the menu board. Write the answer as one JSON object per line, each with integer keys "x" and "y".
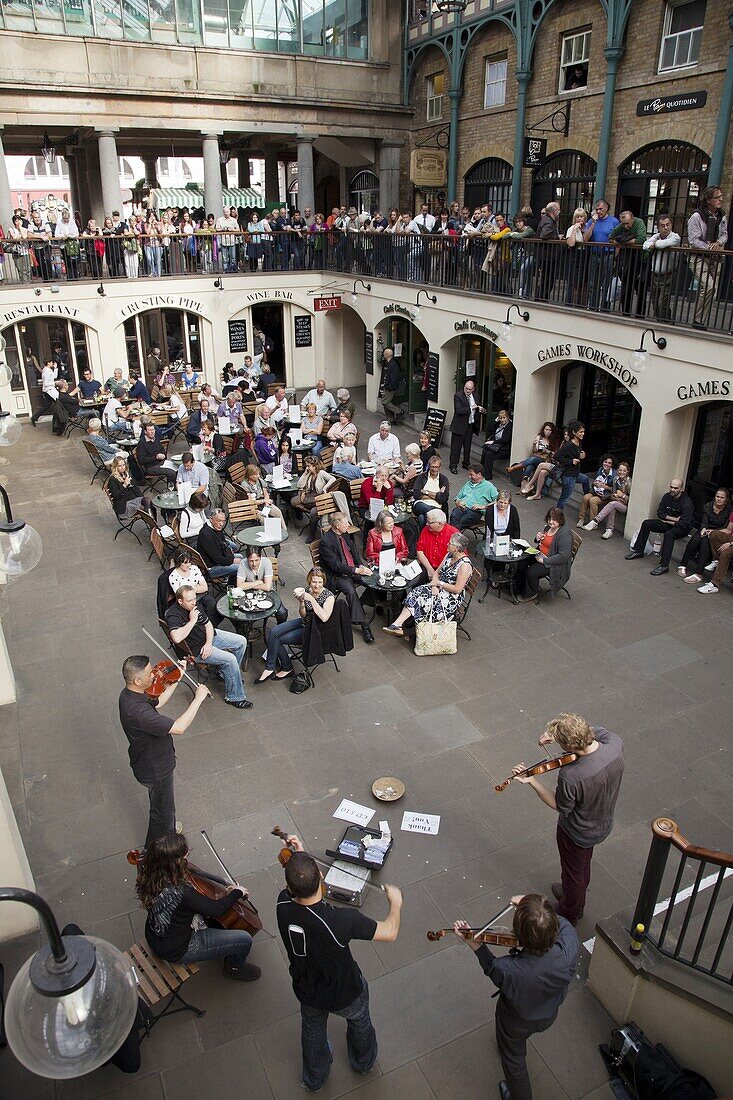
{"x": 303, "y": 331}
{"x": 369, "y": 352}
{"x": 433, "y": 363}
{"x": 237, "y": 336}
{"x": 435, "y": 424}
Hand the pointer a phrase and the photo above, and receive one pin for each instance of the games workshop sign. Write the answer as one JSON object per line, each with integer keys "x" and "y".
{"x": 589, "y": 354}
{"x": 685, "y": 101}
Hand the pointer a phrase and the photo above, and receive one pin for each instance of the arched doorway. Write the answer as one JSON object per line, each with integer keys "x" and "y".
{"x": 328, "y": 195}
{"x": 567, "y": 177}
{"x": 489, "y": 180}
{"x": 711, "y": 461}
{"x": 491, "y": 369}
{"x": 411, "y": 352}
{"x": 609, "y": 410}
{"x": 364, "y": 192}
{"x": 29, "y": 343}
{"x": 664, "y": 178}
{"x": 177, "y": 333}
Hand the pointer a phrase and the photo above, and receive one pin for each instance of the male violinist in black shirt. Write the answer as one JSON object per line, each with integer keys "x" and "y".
{"x": 533, "y": 982}
{"x": 325, "y": 976}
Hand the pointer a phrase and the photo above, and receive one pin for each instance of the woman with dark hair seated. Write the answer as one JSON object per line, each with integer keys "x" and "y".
{"x": 172, "y": 930}
{"x": 715, "y": 517}
{"x": 498, "y": 444}
{"x": 544, "y": 445}
{"x": 555, "y": 545}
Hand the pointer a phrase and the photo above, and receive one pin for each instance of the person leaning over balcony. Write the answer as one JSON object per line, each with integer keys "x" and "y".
{"x": 600, "y": 264}
{"x": 663, "y": 266}
{"x": 715, "y": 516}
{"x": 548, "y": 231}
{"x": 576, "y": 260}
{"x": 520, "y": 258}
{"x": 675, "y": 517}
{"x": 627, "y": 237}
{"x": 707, "y": 230}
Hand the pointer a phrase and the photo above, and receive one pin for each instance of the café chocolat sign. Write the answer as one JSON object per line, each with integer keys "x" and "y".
{"x": 685, "y": 101}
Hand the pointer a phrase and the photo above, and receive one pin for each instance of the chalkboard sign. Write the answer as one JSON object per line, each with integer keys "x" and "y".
{"x": 237, "y": 336}
{"x": 369, "y": 352}
{"x": 433, "y": 361}
{"x": 303, "y": 332}
{"x": 435, "y": 424}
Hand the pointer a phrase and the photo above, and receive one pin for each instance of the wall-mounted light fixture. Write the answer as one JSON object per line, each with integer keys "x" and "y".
{"x": 430, "y": 297}
{"x": 367, "y": 286}
{"x": 639, "y": 359}
{"x": 506, "y": 327}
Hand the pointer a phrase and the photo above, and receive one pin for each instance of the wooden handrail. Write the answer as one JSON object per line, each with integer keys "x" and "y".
{"x": 666, "y": 829}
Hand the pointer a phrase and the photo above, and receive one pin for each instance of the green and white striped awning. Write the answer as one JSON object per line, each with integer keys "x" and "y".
{"x": 163, "y": 197}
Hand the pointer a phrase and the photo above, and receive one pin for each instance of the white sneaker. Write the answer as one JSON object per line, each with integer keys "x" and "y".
{"x": 711, "y": 567}
{"x": 694, "y": 579}
{"x": 607, "y": 534}
{"x": 709, "y": 587}
{"x": 580, "y": 523}
{"x": 681, "y": 571}
{"x": 591, "y": 526}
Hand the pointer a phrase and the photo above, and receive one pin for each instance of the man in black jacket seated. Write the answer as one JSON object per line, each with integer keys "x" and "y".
{"x": 150, "y": 457}
{"x": 216, "y": 549}
{"x": 343, "y": 563}
{"x": 675, "y": 517}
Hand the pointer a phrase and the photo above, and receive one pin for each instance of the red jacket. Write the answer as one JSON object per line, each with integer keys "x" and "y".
{"x": 374, "y": 545}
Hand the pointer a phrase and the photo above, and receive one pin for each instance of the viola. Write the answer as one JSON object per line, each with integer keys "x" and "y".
{"x": 500, "y": 939}
{"x": 164, "y": 674}
{"x": 540, "y": 768}
{"x": 241, "y": 916}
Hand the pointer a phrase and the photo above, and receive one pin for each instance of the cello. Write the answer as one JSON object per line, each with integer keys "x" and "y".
{"x": 541, "y": 768}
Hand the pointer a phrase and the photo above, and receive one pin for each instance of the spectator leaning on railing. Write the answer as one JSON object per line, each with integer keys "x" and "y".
{"x": 707, "y": 229}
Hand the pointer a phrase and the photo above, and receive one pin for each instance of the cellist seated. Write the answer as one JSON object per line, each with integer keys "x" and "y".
{"x": 174, "y": 928}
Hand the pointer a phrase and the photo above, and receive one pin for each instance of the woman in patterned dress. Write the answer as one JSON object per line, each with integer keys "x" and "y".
{"x": 444, "y": 595}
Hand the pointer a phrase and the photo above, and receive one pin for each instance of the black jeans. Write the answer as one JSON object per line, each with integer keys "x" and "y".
{"x": 162, "y": 820}
{"x": 346, "y": 585}
{"x": 458, "y": 442}
{"x": 697, "y": 550}
{"x": 511, "y": 1038}
{"x": 671, "y": 534}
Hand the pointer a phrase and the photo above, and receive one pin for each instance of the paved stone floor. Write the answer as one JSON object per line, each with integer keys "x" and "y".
{"x": 644, "y": 656}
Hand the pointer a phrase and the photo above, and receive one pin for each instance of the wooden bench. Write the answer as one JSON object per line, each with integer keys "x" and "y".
{"x": 159, "y": 980}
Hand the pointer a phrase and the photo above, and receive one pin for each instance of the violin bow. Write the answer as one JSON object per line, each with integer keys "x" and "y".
{"x": 322, "y": 863}
{"x": 493, "y": 920}
{"x": 168, "y": 656}
{"x": 231, "y": 880}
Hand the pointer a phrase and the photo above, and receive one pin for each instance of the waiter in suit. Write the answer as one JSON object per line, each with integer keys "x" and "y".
{"x": 533, "y": 982}
{"x": 465, "y": 422}
{"x": 342, "y": 562}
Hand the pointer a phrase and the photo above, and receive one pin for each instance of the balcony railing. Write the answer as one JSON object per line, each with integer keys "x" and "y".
{"x": 678, "y": 286}
{"x": 693, "y": 924}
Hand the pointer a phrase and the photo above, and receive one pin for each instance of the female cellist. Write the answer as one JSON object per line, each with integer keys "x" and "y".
{"x": 175, "y": 929}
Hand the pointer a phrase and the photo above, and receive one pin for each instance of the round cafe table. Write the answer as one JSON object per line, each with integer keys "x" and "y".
{"x": 246, "y": 621}
{"x": 255, "y": 536}
{"x": 500, "y": 578}
{"x": 284, "y": 493}
{"x": 384, "y": 594}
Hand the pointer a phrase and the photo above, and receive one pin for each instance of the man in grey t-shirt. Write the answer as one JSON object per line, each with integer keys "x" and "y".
{"x": 585, "y": 798}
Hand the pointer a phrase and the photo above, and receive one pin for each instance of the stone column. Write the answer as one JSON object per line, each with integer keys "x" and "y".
{"x": 389, "y": 175}
{"x": 74, "y": 198}
{"x": 243, "y": 179}
{"x": 213, "y": 199}
{"x": 6, "y": 204}
{"x": 306, "y": 185}
{"x": 150, "y": 161}
{"x": 343, "y": 187}
{"x": 523, "y": 78}
{"x": 613, "y": 55}
{"x": 95, "y": 207}
{"x": 109, "y": 170}
{"x": 272, "y": 176}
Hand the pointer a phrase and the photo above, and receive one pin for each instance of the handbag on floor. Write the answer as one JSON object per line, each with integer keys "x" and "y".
{"x": 433, "y": 638}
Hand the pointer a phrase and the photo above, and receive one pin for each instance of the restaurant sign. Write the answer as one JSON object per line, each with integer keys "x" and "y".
{"x": 684, "y": 101}
{"x": 160, "y": 301}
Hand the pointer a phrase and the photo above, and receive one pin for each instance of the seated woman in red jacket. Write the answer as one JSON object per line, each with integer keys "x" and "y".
{"x": 384, "y": 536}
{"x": 378, "y": 485}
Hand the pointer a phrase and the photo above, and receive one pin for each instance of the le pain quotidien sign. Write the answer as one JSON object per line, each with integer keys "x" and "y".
{"x": 667, "y": 105}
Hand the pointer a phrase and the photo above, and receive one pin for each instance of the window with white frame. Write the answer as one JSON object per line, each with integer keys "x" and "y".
{"x": 683, "y": 23}
{"x": 574, "y": 58}
{"x": 436, "y": 87}
{"x": 495, "y": 82}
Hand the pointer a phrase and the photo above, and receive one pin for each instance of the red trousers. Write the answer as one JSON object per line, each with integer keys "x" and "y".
{"x": 575, "y": 875}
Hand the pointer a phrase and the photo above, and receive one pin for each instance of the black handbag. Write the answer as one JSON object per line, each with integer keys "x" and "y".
{"x": 299, "y": 684}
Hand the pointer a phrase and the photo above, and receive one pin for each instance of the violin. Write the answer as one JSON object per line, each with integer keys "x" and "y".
{"x": 500, "y": 939}
{"x": 286, "y": 852}
{"x": 540, "y": 768}
{"x": 165, "y": 674}
{"x": 241, "y": 916}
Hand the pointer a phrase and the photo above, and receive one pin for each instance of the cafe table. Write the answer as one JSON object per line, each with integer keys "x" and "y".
{"x": 245, "y": 622}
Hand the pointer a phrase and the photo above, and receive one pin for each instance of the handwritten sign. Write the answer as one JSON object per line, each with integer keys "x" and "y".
{"x": 420, "y": 823}
{"x": 353, "y": 812}
{"x": 433, "y": 373}
{"x": 369, "y": 352}
{"x": 237, "y": 336}
{"x": 303, "y": 331}
{"x": 435, "y": 424}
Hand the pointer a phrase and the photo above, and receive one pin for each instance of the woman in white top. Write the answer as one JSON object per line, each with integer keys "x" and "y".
{"x": 185, "y": 572}
{"x": 408, "y": 471}
{"x": 577, "y": 259}
{"x": 68, "y": 231}
{"x": 193, "y": 518}
{"x": 256, "y": 575}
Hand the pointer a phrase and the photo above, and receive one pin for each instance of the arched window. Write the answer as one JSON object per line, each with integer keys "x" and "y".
{"x": 566, "y": 177}
{"x": 127, "y": 172}
{"x": 664, "y": 178}
{"x": 490, "y": 181}
{"x": 364, "y": 192}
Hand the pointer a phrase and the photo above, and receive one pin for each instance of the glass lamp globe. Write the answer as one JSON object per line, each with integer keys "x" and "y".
{"x": 639, "y": 360}
{"x": 62, "y": 1036}
{"x": 416, "y": 313}
{"x": 10, "y": 429}
{"x": 20, "y": 549}
{"x": 3, "y": 343}
{"x": 353, "y": 296}
{"x": 506, "y": 330}
{"x": 6, "y": 375}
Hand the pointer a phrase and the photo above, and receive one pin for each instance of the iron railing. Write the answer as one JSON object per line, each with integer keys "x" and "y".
{"x": 692, "y": 925}
{"x": 679, "y": 286}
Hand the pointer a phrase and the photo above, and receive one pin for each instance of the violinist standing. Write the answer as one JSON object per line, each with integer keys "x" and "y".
{"x": 151, "y": 752}
{"x": 325, "y": 976}
{"x": 532, "y": 981}
{"x": 584, "y": 799}
{"x": 175, "y": 929}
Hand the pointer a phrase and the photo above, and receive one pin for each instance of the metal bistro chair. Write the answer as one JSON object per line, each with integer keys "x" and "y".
{"x": 220, "y": 584}
{"x": 153, "y": 479}
{"x": 241, "y": 513}
{"x": 460, "y": 616}
{"x": 123, "y": 524}
{"x": 577, "y": 543}
{"x": 97, "y": 463}
{"x": 355, "y": 490}
{"x": 168, "y": 542}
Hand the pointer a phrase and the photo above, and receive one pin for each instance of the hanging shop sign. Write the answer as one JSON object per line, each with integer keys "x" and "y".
{"x": 303, "y": 330}
{"x": 320, "y": 305}
{"x": 429, "y": 167}
{"x": 237, "y": 336}
{"x": 433, "y": 372}
{"x": 686, "y": 101}
{"x": 535, "y": 152}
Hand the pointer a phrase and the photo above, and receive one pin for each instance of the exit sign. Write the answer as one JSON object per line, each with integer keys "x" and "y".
{"x": 321, "y": 304}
